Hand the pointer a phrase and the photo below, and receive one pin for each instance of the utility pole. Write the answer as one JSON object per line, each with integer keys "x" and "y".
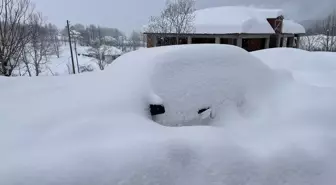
{"x": 76, "y": 55}
{"x": 72, "y": 58}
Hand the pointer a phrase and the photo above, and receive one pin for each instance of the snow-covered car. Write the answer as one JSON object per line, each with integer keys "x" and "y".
{"x": 190, "y": 83}
{"x": 97, "y": 128}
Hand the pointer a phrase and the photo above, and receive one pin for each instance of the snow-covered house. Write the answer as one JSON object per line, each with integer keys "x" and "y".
{"x": 247, "y": 27}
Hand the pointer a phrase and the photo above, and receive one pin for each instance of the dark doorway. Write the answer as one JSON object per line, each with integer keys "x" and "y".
{"x": 253, "y": 44}
{"x": 273, "y": 41}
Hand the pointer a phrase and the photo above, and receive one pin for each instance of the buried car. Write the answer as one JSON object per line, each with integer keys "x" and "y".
{"x": 191, "y": 83}
{"x": 95, "y": 128}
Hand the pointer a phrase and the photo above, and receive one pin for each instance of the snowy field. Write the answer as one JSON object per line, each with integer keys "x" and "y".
{"x": 274, "y": 125}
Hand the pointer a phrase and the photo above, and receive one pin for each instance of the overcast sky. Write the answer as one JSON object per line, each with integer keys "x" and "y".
{"x": 128, "y": 15}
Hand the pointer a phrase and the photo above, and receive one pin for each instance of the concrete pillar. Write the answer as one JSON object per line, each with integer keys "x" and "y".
{"x": 298, "y": 42}
{"x": 284, "y": 41}
{"x": 189, "y": 40}
{"x": 292, "y": 42}
{"x": 154, "y": 41}
{"x": 239, "y": 42}
{"x": 267, "y": 41}
{"x": 217, "y": 40}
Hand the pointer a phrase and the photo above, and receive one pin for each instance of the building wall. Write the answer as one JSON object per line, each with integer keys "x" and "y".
{"x": 250, "y": 42}
{"x": 228, "y": 41}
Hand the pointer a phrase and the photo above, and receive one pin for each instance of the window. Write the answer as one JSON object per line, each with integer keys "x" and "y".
{"x": 166, "y": 41}
{"x": 183, "y": 40}
{"x": 203, "y": 40}
{"x": 224, "y": 41}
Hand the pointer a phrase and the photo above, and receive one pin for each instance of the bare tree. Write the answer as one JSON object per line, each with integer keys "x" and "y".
{"x": 135, "y": 40}
{"x": 311, "y": 42}
{"x": 69, "y": 68}
{"x": 15, "y": 33}
{"x": 53, "y": 34}
{"x": 99, "y": 52}
{"x": 37, "y": 52}
{"x": 177, "y": 17}
{"x": 121, "y": 42}
{"x": 327, "y": 27}
{"x": 26, "y": 62}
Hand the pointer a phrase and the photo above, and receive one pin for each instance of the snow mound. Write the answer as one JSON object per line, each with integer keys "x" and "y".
{"x": 315, "y": 68}
{"x": 190, "y": 78}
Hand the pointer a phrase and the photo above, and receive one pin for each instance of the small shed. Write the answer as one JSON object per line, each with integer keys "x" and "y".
{"x": 246, "y": 27}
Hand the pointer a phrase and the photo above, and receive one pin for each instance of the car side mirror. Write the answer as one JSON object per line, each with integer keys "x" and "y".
{"x": 200, "y": 111}
{"x": 156, "y": 109}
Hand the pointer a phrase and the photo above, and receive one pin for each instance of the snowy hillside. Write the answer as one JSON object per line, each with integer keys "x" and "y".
{"x": 84, "y": 130}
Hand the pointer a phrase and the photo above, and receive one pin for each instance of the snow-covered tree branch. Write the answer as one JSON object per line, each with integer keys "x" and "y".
{"x": 135, "y": 40}
{"x": 177, "y": 17}
{"x": 15, "y": 32}
{"x": 36, "y": 52}
{"x": 327, "y": 27}
{"x": 311, "y": 42}
{"x": 99, "y": 52}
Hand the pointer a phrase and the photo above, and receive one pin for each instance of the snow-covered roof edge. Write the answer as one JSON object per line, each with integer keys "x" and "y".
{"x": 290, "y": 26}
{"x": 239, "y": 19}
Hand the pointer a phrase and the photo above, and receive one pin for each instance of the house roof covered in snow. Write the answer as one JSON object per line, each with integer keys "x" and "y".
{"x": 240, "y": 19}
{"x": 234, "y": 19}
{"x": 290, "y": 26}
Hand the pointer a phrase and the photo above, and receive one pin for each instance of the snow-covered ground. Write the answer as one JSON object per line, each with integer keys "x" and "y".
{"x": 62, "y": 65}
{"x": 313, "y": 68}
{"x": 93, "y": 128}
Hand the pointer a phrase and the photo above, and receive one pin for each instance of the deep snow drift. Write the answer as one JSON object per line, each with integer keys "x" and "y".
{"x": 314, "y": 68}
{"x": 93, "y": 128}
